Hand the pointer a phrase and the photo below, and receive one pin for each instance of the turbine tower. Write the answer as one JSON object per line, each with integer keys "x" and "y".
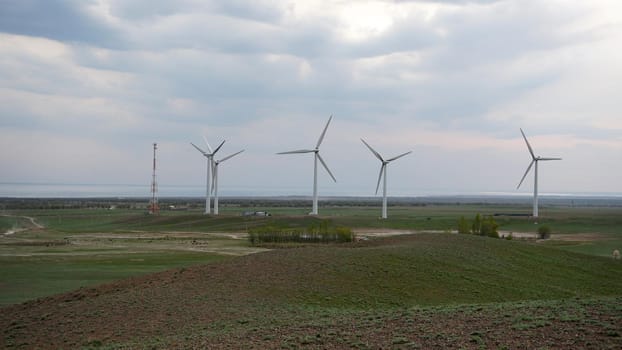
{"x": 317, "y": 157}
{"x": 215, "y": 182}
{"x": 383, "y": 174}
{"x": 209, "y": 160}
{"x": 154, "y": 208}
{"x": 535, "y": 160}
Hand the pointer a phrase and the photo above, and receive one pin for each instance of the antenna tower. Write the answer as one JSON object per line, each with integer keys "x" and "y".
{"x": 154, "y": 209}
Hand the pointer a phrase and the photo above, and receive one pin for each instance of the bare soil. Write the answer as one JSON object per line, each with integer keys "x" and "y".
{"x": 238, "y": 304}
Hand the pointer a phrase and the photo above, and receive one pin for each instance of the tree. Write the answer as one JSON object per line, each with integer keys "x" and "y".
{"x": 463, "y": 225}
{"x": 544, "y": 232}
{"x": 476, "y": 228}
{"x": 489, "y": 227}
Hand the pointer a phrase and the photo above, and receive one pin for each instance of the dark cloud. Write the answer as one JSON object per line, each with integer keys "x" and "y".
{"x": 60, "y": 20}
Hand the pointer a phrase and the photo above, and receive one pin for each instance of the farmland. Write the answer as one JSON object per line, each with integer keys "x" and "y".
{"x": 183, "y": 279}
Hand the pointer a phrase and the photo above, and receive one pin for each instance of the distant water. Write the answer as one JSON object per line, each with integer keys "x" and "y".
{"x": 35, "y": 190}
{"x": 41, "y": 190}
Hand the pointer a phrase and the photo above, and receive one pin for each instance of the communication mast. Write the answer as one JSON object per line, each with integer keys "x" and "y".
{"x": 154, "y": 208}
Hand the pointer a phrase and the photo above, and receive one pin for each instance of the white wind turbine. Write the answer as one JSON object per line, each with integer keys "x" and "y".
{"x": 317, "y": 157}
{"x": 215, "y": 182}
{"x": 383, "y": 173}
{"x": 209, "y": 160}
{"x": 535, "y": 182}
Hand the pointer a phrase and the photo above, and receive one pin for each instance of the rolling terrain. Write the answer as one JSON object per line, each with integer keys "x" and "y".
{"x": 410, "y": 291}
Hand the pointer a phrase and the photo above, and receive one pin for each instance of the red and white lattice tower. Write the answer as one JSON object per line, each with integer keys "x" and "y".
{"x": 154, "y": 208}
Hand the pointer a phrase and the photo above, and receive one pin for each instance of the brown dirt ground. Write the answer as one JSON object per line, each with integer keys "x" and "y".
{"x": 218, "y": 306}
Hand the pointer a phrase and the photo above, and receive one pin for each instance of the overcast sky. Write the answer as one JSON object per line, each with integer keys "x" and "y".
{"x": 86, "y": 87}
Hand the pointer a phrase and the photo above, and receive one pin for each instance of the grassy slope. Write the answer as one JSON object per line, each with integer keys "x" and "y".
{"x": 33, "y": 275}
{"x": 278, "y": 286}
{"x": 440, "y": 268}
{"x": 25, "y": 278}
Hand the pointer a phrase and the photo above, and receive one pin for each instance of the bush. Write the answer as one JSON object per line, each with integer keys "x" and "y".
{"x": 544, "y": 232}
{"x": 313, "y": 234}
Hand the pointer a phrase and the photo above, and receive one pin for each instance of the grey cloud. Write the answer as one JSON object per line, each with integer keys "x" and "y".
{"x": 146, "y": 10}
{"x": 260, "y": 11}
{"x": 58, "y": 20}
{"x": 502, "y": 33}
{"x": 219, "y": 60}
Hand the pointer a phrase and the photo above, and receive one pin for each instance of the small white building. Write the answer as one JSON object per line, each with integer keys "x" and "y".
{"x": 256, "y": 213}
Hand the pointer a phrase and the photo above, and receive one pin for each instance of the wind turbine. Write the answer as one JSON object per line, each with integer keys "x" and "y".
{"x": 215, "y": 182}
{"x": 383, "y": 173}
{"x": 317, "y": 157}
{"x": 210, "y": 158}
{"x": 535, "y": 160}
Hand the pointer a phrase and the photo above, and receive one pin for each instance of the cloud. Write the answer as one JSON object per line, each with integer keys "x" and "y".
{"x": 451, "y": 80}
{"x": 70, "y": 21}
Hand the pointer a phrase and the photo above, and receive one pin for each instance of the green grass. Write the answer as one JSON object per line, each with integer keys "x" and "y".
{"x": 25, "y": 278}
{"x": 602, "y": 247}
{"x": 571, "y": 220}
{"x": 431, "y": 269}
{"x": 6, "y": 223}
{"x": 59, "y": 251}
{"x": 11, "y": 223}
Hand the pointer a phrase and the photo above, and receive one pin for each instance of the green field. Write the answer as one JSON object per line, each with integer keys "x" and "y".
{"x": 429, "y": 217}
{"x": 84, "y": 247}
{"x": 30, "y": 277}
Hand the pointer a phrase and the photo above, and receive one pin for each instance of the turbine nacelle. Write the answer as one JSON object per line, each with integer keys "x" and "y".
{"x": 383, "y": 173}
{"x": 209, "y": 155}
{"x": 534, "y": 160}
{"x": 317, "y": 156}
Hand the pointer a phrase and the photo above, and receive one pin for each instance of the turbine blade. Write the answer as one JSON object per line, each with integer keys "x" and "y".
{"x": 526, "y": 172}
{"x": 380, "y": 177}
{"x": 550, "y": 159}
{"x": 230, "y": 156}
{"x": 400, "y": 156}
{"x": 198, "y": 149}
{"x": 298, "y": 151}
{"x": 319, "y": 141}
{"x": 373, "y": 151}
{"x": 217, "y": 148}
{"x": 533, "y": 156}
{"x": 209, "y": 148}
{"x": 325, "y": 166}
